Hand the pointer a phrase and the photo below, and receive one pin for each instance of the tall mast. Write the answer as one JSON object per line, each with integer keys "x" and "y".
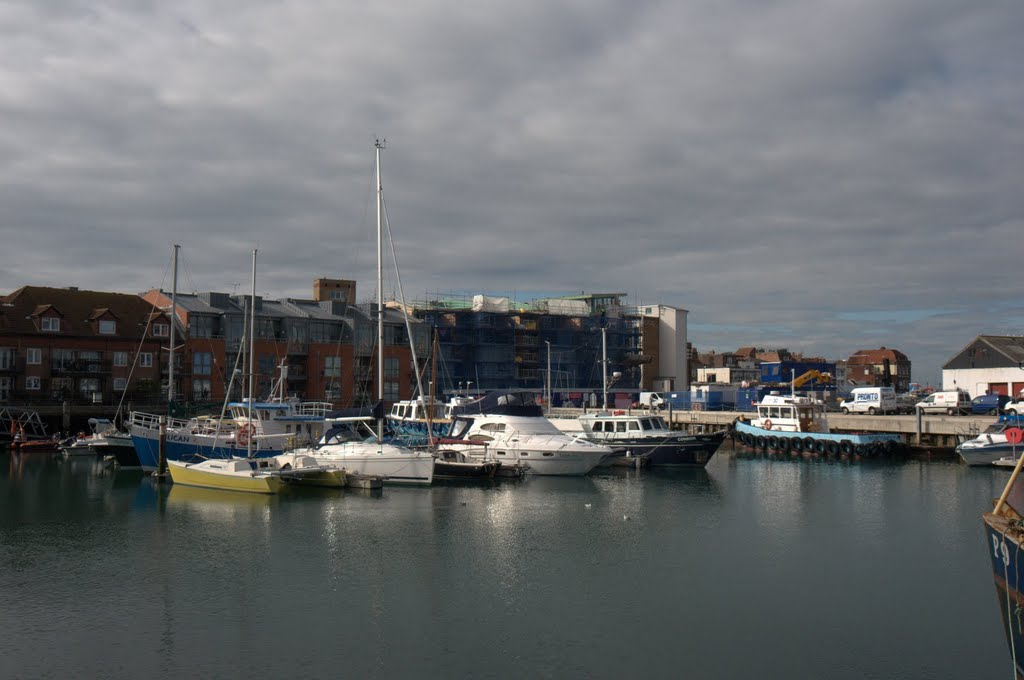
{"x": 174, "y": 314}
{"x": 378, "y": 145}
{"x": 252, "y": 353}
{"x": 604, "y": 367}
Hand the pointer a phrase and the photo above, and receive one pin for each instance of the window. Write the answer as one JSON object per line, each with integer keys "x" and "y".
{"x": 391, "y": 391}
{"x": 201, "y": 388}
{"x": 202, "y": 364}
{"x": 62, "y": 359}
{"x": 390, "y": 367}
{"x": 33, "y": 382}
{"x": 332, "y": 367}
{"x": 108, "y": 327}
{"x": 50, "y": 323}
{"x": 6, "y": 358}
{"x": 146, "y": 359}
{"x": 34, "y": 356}
{"x": 90, "y": 361}
{"x": 161, "y": 330}
{"x": 120, "y": 358}
{"x": 88, "y": 386}
{"x": 120, "y": 384}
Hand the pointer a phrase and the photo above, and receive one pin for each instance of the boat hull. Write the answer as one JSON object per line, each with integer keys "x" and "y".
{"x": 830, "y": 443}
{"x": 415, "y": 468}
{"x": 208, "y": 477}
{"x": 1004, "y": 550}
{"x": 466, "y": 471}
{"x": 674, "y": 451}
{"x": 987, "y": 455}
{"x": 185, "y": 447}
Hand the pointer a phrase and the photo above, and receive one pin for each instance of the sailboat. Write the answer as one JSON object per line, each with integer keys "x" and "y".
{"x": 254, "y": 429}
{"x": 250, "y": 474}
{"x": 344, "y": 446}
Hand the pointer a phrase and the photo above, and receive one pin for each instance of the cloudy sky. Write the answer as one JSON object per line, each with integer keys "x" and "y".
{"x": 825, "y": 176}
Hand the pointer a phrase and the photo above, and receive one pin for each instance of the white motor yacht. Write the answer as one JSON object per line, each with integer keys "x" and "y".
{"x": 516, "y": 432}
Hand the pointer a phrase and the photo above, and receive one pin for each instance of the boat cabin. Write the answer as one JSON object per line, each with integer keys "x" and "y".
{"x": 610, "y": 426}
{"x": 790, "y": 414}
{"x": 419, "y": 410}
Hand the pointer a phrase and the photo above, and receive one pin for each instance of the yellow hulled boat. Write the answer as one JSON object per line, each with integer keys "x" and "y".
{"x": 233, "y": 474}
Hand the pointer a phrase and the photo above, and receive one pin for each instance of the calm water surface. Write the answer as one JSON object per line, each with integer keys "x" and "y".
{"x": 750, "y": 568}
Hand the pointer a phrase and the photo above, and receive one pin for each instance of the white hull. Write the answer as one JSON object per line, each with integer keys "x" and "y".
{"x": 396, "y": 465}
{"x": 556, "y": 460}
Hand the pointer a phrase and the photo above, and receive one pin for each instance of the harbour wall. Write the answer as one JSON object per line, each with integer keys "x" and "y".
{"x": 938, "y": 431}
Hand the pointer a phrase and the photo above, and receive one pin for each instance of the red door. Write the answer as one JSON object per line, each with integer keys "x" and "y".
{"x": 1018, "y": 387}
{"x": 997, "y": 388}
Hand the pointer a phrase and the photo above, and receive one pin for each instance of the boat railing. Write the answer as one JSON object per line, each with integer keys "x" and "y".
{"x": 152, "y": 420}
{"x": 314, "y": 408}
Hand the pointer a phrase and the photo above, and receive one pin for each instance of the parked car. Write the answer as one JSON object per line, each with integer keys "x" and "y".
{"x": 1014, "y": 408}
{"x": 989, "y": 404}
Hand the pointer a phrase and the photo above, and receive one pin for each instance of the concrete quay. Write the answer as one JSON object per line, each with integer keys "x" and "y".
{"x": 940, "y": 431}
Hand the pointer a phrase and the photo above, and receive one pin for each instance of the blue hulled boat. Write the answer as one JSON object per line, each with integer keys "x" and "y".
{"x": 797, "y": 424}
{"x": 1004, "y": 531}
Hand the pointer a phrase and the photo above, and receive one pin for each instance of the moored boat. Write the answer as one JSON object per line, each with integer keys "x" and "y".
{"x": 232, "y": 474}
{"x": 1004, "y": 531}
{"x": 514, "y": 428}
{"x": 994, "y": 443}
{"x": 798, "y": 425}
{"x": 644, "y": 439}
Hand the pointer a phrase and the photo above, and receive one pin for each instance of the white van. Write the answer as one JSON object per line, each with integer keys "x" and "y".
{"x": 949, "y": 402}
{"x": 651, "y": 400}
{"x": 870, "y": 400}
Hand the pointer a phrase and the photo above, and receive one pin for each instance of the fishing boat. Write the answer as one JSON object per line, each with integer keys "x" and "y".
{"x": 514, "y": 428}
{"x": 642, "y": 439}
{"x": 351, "y": 444}
{"x": 798, "y": 425}
{"x": 1004, "y": 530}
{"x": 993, "y": 444}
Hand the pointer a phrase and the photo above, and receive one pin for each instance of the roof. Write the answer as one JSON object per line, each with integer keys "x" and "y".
{"x": 77, "y": 307}
{"x": 1005, "y": 350}
{"x": 876, "y": 356}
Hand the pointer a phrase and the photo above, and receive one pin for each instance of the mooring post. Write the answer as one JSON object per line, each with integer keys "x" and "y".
{"x": 161, "y": 466}
{"x": 920, "y": 420}
{"x": 65, "y": 409}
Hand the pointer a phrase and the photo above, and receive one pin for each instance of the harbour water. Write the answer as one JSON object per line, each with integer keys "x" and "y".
{"x": 749, "y": 568}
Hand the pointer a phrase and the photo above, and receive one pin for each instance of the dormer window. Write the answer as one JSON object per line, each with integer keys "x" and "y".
{"x": 50, "y": 324}
{"x": 107, "y": 327}
{"x": 161, "y": 330}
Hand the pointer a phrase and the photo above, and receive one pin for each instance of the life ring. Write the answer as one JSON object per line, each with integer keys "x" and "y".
{"x": 244, "y": 433}
{"x": 767, "y": 424}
